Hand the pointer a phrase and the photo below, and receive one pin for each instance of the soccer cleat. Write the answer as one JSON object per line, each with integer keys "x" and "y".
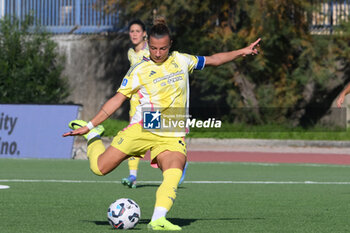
{"x": 76, "y": 124}
{"x": 183, "y": 173}
{"x": 130, "y": 181}
{"x": 161, "y": 224}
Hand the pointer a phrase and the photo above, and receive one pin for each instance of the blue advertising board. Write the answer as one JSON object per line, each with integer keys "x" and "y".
{"x": 35, "y": 131}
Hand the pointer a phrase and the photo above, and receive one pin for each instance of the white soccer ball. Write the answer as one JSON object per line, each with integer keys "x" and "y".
{"x": 124, "y": 213}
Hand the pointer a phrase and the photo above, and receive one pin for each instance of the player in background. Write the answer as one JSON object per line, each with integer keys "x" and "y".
{"x": 341, "y": 97}
{"x": 138, "y": 37}
{"x": 154, "y": 78}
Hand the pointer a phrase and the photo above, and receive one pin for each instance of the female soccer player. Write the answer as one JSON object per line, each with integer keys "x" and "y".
{"x": 138, "y": 37}
{"x": 162, "y": 81}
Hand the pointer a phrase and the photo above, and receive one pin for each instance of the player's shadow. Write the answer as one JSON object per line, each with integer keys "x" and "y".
{"x": 179, "y": 221}
{"x": 106, "y": 223}
{"x": 187, "y": 221}
{"x": 99, "y": 223}
{"x": 154, "y": 185}
{"x": 147, "y": 185}
{"x": 176, "y": 221}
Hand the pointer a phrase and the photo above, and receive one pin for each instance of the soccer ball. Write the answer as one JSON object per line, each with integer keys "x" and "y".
{"x": 124, "y": 213}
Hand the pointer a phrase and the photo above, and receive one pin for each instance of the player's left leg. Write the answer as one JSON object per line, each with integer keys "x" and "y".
{"x": 172, "y": 164}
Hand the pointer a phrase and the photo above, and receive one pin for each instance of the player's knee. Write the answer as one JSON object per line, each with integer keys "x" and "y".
{"x": 96, "y": 171}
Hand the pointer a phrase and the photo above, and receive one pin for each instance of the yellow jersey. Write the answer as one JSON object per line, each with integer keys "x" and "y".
{"x": 135, "y": 57}
{"x": 162, "y": 87}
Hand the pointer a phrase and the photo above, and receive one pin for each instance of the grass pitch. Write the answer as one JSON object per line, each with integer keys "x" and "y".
{"x": 64, "y": 196}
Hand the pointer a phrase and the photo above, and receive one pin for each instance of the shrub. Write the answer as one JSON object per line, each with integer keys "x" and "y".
{"x": 30, "y": 66}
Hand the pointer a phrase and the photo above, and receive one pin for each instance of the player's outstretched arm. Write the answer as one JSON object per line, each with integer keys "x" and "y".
{"x": 218, "y": 59}
{"x": 340, "y": 99}
{"x": 112, "y": 105}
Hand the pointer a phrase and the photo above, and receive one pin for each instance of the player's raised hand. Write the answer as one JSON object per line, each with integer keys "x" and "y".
{"x": 77, "y": 132}
{"x": 251, "y": 49}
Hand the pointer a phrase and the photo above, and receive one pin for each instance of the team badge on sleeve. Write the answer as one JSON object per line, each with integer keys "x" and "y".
{"x": 125, "y": 81}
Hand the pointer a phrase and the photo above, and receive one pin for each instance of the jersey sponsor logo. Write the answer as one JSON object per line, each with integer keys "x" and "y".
{"x": 175, "y": 79}
{"x": 151, "y": 120}
{"x": 167, "y": 77}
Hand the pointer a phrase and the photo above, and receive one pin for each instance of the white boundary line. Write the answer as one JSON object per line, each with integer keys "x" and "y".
{"x": 187, "y": 182}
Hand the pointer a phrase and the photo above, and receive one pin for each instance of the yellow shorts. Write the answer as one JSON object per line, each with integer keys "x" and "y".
{"x": 135, "y": 141}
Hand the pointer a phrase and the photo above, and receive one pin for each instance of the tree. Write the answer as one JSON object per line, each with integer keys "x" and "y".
{"x": 30, "y": 67}
{"x": 295, "y": 73}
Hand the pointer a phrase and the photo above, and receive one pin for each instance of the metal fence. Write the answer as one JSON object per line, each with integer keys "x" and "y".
{"x": 328, "y": 14}
{"x": 63, "y": 16}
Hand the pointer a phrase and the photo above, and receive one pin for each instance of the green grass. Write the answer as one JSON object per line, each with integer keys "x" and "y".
{"x": 252, "y": 132}
{"x": 53, "y": 205}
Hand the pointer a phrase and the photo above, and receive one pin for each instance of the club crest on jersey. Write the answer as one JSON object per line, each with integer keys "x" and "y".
{"x": 151, "y": 120}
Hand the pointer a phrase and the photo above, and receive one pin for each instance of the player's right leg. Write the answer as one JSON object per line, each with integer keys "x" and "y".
{"x": 102, "y": 161}
{"x": 170, "y": 155}
{"x": 171, "y": 163}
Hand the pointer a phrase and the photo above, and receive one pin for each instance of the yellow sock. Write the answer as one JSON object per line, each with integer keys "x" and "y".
{"x": 166, "y": 192}
{"x": 94, "y": 150}
{"x": 133, "y": 163}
